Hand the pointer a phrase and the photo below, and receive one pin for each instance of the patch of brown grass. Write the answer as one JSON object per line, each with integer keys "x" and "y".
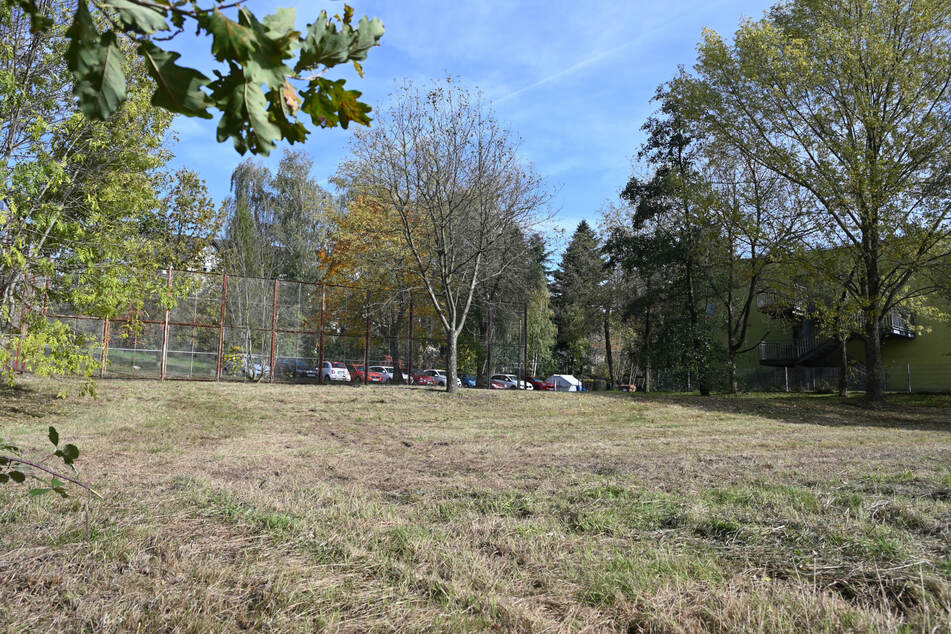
{"x": 293, "y": 508}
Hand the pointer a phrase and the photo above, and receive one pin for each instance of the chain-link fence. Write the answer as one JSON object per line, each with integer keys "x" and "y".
{"x": 230, "y": 328}
{"x": 225, "y": 327}
{"x": 908, "y": 377}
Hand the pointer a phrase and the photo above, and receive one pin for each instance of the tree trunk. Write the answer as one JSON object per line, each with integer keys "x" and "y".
{"x": 451, "y": 360}
{"x": 489, "y": 368}
{"x": 843, "y": 366}
{"x": 647, "y": 351}
{"x": 703, "y": 372}
{"x": 482, "y": 356}
{"x": 873, "y": 360}
{"x": 607, "y": 348}
{"x": 734, "y": 383}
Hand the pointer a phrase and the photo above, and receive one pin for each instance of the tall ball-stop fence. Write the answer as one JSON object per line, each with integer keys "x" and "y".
{"x": 225, "y": 327}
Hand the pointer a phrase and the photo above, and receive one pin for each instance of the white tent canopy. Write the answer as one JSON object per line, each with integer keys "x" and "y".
{"x": 564, "y": 383}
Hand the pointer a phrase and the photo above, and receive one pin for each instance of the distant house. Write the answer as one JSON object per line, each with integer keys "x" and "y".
{"x": 911, "y": 344}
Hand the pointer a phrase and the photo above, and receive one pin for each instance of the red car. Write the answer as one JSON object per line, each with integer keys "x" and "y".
{"x": 495, "y": 385}
{"x": 539, "y": 383}
{"x": 422, "y": 379}
{"x": 356, "y": 374}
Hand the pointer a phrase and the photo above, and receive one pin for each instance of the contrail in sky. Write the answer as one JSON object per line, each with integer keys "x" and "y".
{"x": 599, "y": 56}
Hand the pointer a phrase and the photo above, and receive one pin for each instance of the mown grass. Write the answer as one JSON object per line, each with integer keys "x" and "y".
{"x": 295, "y": 508}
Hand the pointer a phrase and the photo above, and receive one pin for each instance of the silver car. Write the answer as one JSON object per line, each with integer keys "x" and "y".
{"x": 439, "y": 376}
{"x": 388, "y": 373}
{"x": 512, "y": 382}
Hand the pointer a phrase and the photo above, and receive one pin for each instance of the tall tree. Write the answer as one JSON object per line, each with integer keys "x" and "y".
{"x": 670, "y": 226}
{"x": 576, "y": 296}
{"x": 453, "y": 174}
{"x": 86, "y": 205}
{"x": 756, "y": 219}
{"x": 848, "y": 99}
{"x": 278, "y": 224}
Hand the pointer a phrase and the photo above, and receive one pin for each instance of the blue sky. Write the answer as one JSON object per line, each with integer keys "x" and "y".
{"x": 572, "y": 79}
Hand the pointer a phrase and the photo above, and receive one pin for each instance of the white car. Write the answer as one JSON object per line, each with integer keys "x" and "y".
{"x": 439, "y": 376}
{"x": 511, "y": 382}
{"x": 388, "y": 373}
{"x": 335, "y": 371}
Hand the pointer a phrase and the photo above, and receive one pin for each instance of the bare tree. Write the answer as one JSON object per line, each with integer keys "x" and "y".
{"x": 437, "y": 156}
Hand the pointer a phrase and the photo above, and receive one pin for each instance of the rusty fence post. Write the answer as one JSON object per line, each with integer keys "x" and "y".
{"x": 104, "y": 352}
{"x": 525, "y": 346}
{"x": 320, "y": 352}
{"x": 163, "y": 361}
{"x": 221, "y": 327}
{"x": 489, "y": 370}
{"x": 409, "y": 360}
{"x": 366, "y": 344}
{"x": 273, "y": 332}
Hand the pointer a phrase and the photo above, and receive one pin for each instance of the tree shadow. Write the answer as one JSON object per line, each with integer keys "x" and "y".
{"x": 897, "y": 412}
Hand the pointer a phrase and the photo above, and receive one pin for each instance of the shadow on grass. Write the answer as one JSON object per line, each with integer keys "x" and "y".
{"x": 914, "y": 412}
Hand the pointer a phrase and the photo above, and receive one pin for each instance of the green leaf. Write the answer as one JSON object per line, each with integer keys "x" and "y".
{"x": 324, "y": 45}
{"x": 266, "y": 63}
{"x": 329, "y": 104}
{"x": 230, "y": 40}
{"x": 137, "y": 18}
{"x": 96, "y": 65}
{"x": 40, "y": 491}
{"x": 70, "y": 453}
{"x": 54, "y": 436}
{"x": 178, "y": 89}
{"x": 244, "y": 113}
{"x": 17, "y": 476}
{"x": 279, "y": 112}
{"x": 4, "y": 478}
{"x": 280, "y": 23}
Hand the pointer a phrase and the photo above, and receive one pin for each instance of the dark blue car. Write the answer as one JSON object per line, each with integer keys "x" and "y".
{"x": 468, "y": 380}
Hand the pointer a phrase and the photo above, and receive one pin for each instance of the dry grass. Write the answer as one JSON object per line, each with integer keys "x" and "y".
{"x": 294, "y": 508}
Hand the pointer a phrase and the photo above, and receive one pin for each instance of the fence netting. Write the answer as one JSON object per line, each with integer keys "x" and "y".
{"x": 226, "y": 327}
{"x": 231, "y": 328}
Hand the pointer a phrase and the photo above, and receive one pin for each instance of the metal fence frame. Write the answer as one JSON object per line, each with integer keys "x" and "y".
{"x": 168, "y": 321}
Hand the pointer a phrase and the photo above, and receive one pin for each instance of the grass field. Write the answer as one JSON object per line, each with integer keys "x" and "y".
{"x": 293, "y": 508}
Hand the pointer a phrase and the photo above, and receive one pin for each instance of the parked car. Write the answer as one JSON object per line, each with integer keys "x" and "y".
{"x": 336, "y": 372}
{"x": 253, "y": 367}
{"x": 539, "y": 383}
{"x": 297, "y": 369}
{"x": 422, "y": 379}
{"x": 357, "y": 372}
{"x": 496, "y": 385}
{"x": 439, "y": 376}
{"x": 388, "y": 372}
{"x": 468, "y": 380}
{"x": 511, "y": 382}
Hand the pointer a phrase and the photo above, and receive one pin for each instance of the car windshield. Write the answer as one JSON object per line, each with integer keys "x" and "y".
{"x": 337, "y": 364}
